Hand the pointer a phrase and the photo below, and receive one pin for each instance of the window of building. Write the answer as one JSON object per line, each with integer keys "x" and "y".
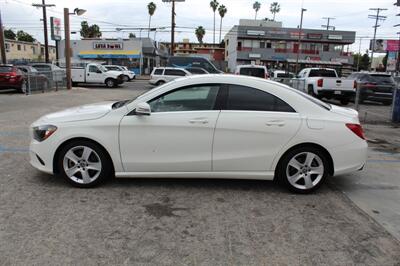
{"x": 326, "y": 48}
{"x": 262, "y": 44}
{"x": 19, "y": 47}
{"x": 33, "y": 50}
{"x": 247, "y": 43}
{"x": 239, "y": 47}
{"x": 269, "y": 45}
{"x": 7, "y": 47}
{"x": 251, "y": 99}
{"x": 256, "y": 44}
{"x": 42, "y": 50}
{"x": 338, "y": 48}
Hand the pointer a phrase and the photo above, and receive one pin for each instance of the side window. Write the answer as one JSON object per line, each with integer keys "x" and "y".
{"x": 158, "y": 71}
{"x": 93, "y": 69}
{"x": 251, "y": 99}
{"x": 174, "y": 72}
{"x": 193, "y": 98}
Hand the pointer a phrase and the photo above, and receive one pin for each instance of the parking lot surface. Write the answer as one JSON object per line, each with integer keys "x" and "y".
{"x": 175, "y": 221}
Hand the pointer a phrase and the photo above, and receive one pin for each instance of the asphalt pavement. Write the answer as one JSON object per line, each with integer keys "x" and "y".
{"x": 44, "y": 221}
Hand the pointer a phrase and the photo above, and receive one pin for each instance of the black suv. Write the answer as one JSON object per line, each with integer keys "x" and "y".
{"x": 377, "y": 87}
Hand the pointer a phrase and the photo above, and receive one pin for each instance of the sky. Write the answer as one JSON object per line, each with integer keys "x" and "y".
{"x": 111, "y": 14}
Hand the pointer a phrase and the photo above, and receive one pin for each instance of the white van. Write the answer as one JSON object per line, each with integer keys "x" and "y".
{"x": 252, "y": 70}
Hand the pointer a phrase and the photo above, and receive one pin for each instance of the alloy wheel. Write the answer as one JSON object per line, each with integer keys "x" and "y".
{"x": 305, "y": 170}
{"x": 82, "y": 164}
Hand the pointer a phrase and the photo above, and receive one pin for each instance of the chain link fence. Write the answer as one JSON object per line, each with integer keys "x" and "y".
{"x": 43, "y": 81}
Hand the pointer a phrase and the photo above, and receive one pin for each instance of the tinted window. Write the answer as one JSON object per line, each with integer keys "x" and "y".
{"x": 42, "y": 67}
{"x": 382, "y": 79}
{"x": 158, "y": 71}
{"x": 194, "y": 98}
{"x": 174, "y": 72}
{"x": 186, "y": 62}
{"x": 196, "y": 70}
{"x": 251, "y": 99}
{"x": 284, "y": 75}
{"x": 252, "y": 71}
{"x": 93, "y": 69}
{"x": 322, "y": 73}
{"x": 5, "y": 69}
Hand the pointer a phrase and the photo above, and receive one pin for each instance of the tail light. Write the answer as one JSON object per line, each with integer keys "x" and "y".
{"x": 370, "y": 85}
{"x": 320, "y": 83}
{"x": 356, "y": 129}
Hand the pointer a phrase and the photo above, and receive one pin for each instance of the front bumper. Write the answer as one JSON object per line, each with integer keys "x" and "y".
{"x": 41, "y": 156}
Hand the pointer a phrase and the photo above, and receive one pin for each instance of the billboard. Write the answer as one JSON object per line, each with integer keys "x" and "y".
{"x": 391, "y": 61}
{"x": 383, "y": 46}
{"x": 55, "y": 25}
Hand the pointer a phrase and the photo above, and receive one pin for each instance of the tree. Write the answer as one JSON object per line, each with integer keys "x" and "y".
{"x": 24, "y": 36}
{"x": 132, "y": 35}
{"x": 361, "y": 60}
{"x": 256, "y": 7}
{"x": 275, "y": 8}
{"x": 214, "y": 5}
{"x": 10, "y": 34}
{"x": 151, "y": 7}
{"x": 200, "y": 32}
{"x": 92, "y": 31}
{"x": 222, "y": 11}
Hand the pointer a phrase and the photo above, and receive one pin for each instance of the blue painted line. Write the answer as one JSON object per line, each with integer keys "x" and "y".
{"x": 4, "y": 149}
{"x": 13, "y": 133}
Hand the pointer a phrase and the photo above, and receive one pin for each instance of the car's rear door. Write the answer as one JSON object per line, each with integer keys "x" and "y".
{"x": 252, "y": 128}
{"x": 176, "y": 137}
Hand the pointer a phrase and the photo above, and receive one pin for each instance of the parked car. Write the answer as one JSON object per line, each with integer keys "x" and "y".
{"x": 193, "y": 61}
{"x": 12, "y": 78}
{"x": 203, "y": 126}
{"x": 53, "y": 72}
{"x": 375, "y": 86}
{"x": 252, "y": 70}
{"x": 161, "y": 75}
{"x": 282, "y": 76}
{"x": 325, "y": 83}
{"x": 197, "y": 70}
{"x": 96, "y": 74}
{"x": 35, "y": 80}
{"x": 128, "y": 75}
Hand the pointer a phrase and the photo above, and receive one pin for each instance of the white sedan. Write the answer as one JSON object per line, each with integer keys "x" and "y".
{"x": 205, "y": 126}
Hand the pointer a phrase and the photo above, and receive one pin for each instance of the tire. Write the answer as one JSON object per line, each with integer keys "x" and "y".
{"x": 300, "y": 176}
{"x": 159, "y": 83}
{"x": 310, "y": 90}
{"x": 84, "y": 164}
{"x": 74, "y": 84}
{"x": 125, "y": 78}
{"x": 344, "y": 101}
{"x": 24, "y": 87}
{"x": 111, "y": 83}
{"x": 45, "y": 85}
{"x": 389, "y": 102}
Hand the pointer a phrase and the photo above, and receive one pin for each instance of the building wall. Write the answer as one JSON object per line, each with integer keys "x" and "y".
{"x": 26, "y": 51}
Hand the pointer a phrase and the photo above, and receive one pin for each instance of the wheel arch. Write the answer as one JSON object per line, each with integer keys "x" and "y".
{"x": 331, "y": 167}
{"x": 59, "y": 148}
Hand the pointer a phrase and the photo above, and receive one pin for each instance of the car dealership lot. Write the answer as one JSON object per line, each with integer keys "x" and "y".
{"x": 206, "y": 222}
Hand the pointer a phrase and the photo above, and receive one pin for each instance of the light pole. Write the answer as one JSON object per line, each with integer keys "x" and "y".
{"x": 299, "y": 40}
{"x": 67, "y": 52}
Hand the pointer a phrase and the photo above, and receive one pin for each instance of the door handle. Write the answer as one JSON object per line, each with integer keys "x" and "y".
{"x": 279, "y": 123}
{"x": 198, "y": 121}
{"x": 88, "y": 74}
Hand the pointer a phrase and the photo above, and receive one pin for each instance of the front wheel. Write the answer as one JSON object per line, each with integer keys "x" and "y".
{"x": 110, "y": 83}
{"x": 303, "y": 170}
{"x": 84, "y": 164}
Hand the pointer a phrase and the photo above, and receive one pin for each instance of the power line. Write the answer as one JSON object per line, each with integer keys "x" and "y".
{"x": 377, "y": 18}
{"x": 46, "y": 39}
{"x": 328, "y": 26}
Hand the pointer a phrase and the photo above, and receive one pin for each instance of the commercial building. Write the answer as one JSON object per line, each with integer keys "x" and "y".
{"x": 17, "y": 51}
{"x": 268, "y": 43}
{"x": 140, "y": 55}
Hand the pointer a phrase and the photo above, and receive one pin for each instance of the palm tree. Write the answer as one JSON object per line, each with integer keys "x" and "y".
{"x": 214, "y": 5}
{"x": 151, "y": 7}
{"x": 222, "y": 11}
{"x": 275, "y": 8}
{"x": 200, "y": 32}
{"x": 256, "y": 7}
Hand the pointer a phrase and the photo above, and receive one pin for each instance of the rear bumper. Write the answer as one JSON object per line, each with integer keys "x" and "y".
{"x": 339, "y": 94}
{"x": 348, "y": 159}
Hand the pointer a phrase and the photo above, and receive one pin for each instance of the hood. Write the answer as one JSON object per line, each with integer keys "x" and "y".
{"x": 79, "y": 113}
{"x": 347, "y": 112}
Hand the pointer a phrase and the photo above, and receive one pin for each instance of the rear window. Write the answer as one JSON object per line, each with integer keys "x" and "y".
{"x": 386, "y": 79}
{"x": 174, "y": 72}
{"x": 322, "y": 73}
{"x": 5, "y": 69}
{"x": 253, "y": 71}
{"x": 158, "y": 71}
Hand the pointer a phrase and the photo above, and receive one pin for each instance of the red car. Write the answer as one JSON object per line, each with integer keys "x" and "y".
{"x": 12, "y": 78}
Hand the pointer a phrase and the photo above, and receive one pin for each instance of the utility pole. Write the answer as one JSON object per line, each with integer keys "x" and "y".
{"x": 2, "y": 44}
{"x": 328, "y": 26}
{"x": 172, "y": 23}
{"x": 46, "y": 39}
{"x": 299, "y": 40}
{"x": 67, "y": 48}
{"x": 377, "y": 18}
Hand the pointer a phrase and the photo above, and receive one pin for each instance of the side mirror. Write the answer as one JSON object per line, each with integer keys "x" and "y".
{"x": 143, "y": 109}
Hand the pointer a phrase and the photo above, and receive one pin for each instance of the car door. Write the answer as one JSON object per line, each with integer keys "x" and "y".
{"x": 252, "y": 128}
{"x": 177, "y": 135}
{"x": 94, "y": 75}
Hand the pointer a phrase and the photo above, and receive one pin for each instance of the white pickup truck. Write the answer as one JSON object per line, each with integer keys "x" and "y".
{"x": 325, "y": 83}
{"x": 96, "y": 74}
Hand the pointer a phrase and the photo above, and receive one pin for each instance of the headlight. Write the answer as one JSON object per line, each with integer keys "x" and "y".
{"x": 41, "y": 133}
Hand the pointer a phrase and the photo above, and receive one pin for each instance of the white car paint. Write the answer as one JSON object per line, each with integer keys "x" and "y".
{"x": 125, "y": 71}
{"x": 206, "y": 144}
{"x": 160, "y": 76}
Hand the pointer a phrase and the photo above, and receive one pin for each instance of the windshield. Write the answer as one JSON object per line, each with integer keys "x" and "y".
{"x": 253, "y": 71}
{"x": 102, "y": 68}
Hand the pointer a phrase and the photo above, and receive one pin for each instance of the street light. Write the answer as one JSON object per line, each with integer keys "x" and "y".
{"x": 67, "y": 52}
{"x": 299, "y": 41}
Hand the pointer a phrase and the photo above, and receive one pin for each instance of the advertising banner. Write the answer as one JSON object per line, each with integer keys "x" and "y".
{"x": 391, "y": 61}
{"x": 55, "y": 25}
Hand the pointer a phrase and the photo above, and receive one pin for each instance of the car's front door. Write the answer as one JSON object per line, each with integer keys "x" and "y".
{"x": 94, "y": 75}
{"x": 176, "y": 137}
{"x": 251, "y": 129}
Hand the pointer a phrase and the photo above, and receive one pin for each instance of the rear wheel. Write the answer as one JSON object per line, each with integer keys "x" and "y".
{"x": 344, "y": 101}
{"x": 303, "y": 169}
{"x": 84, "y": 164}
{"x": 161, "y": 82}
{"x": 310, "y": 91}
{"x": 24, "y": 87}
